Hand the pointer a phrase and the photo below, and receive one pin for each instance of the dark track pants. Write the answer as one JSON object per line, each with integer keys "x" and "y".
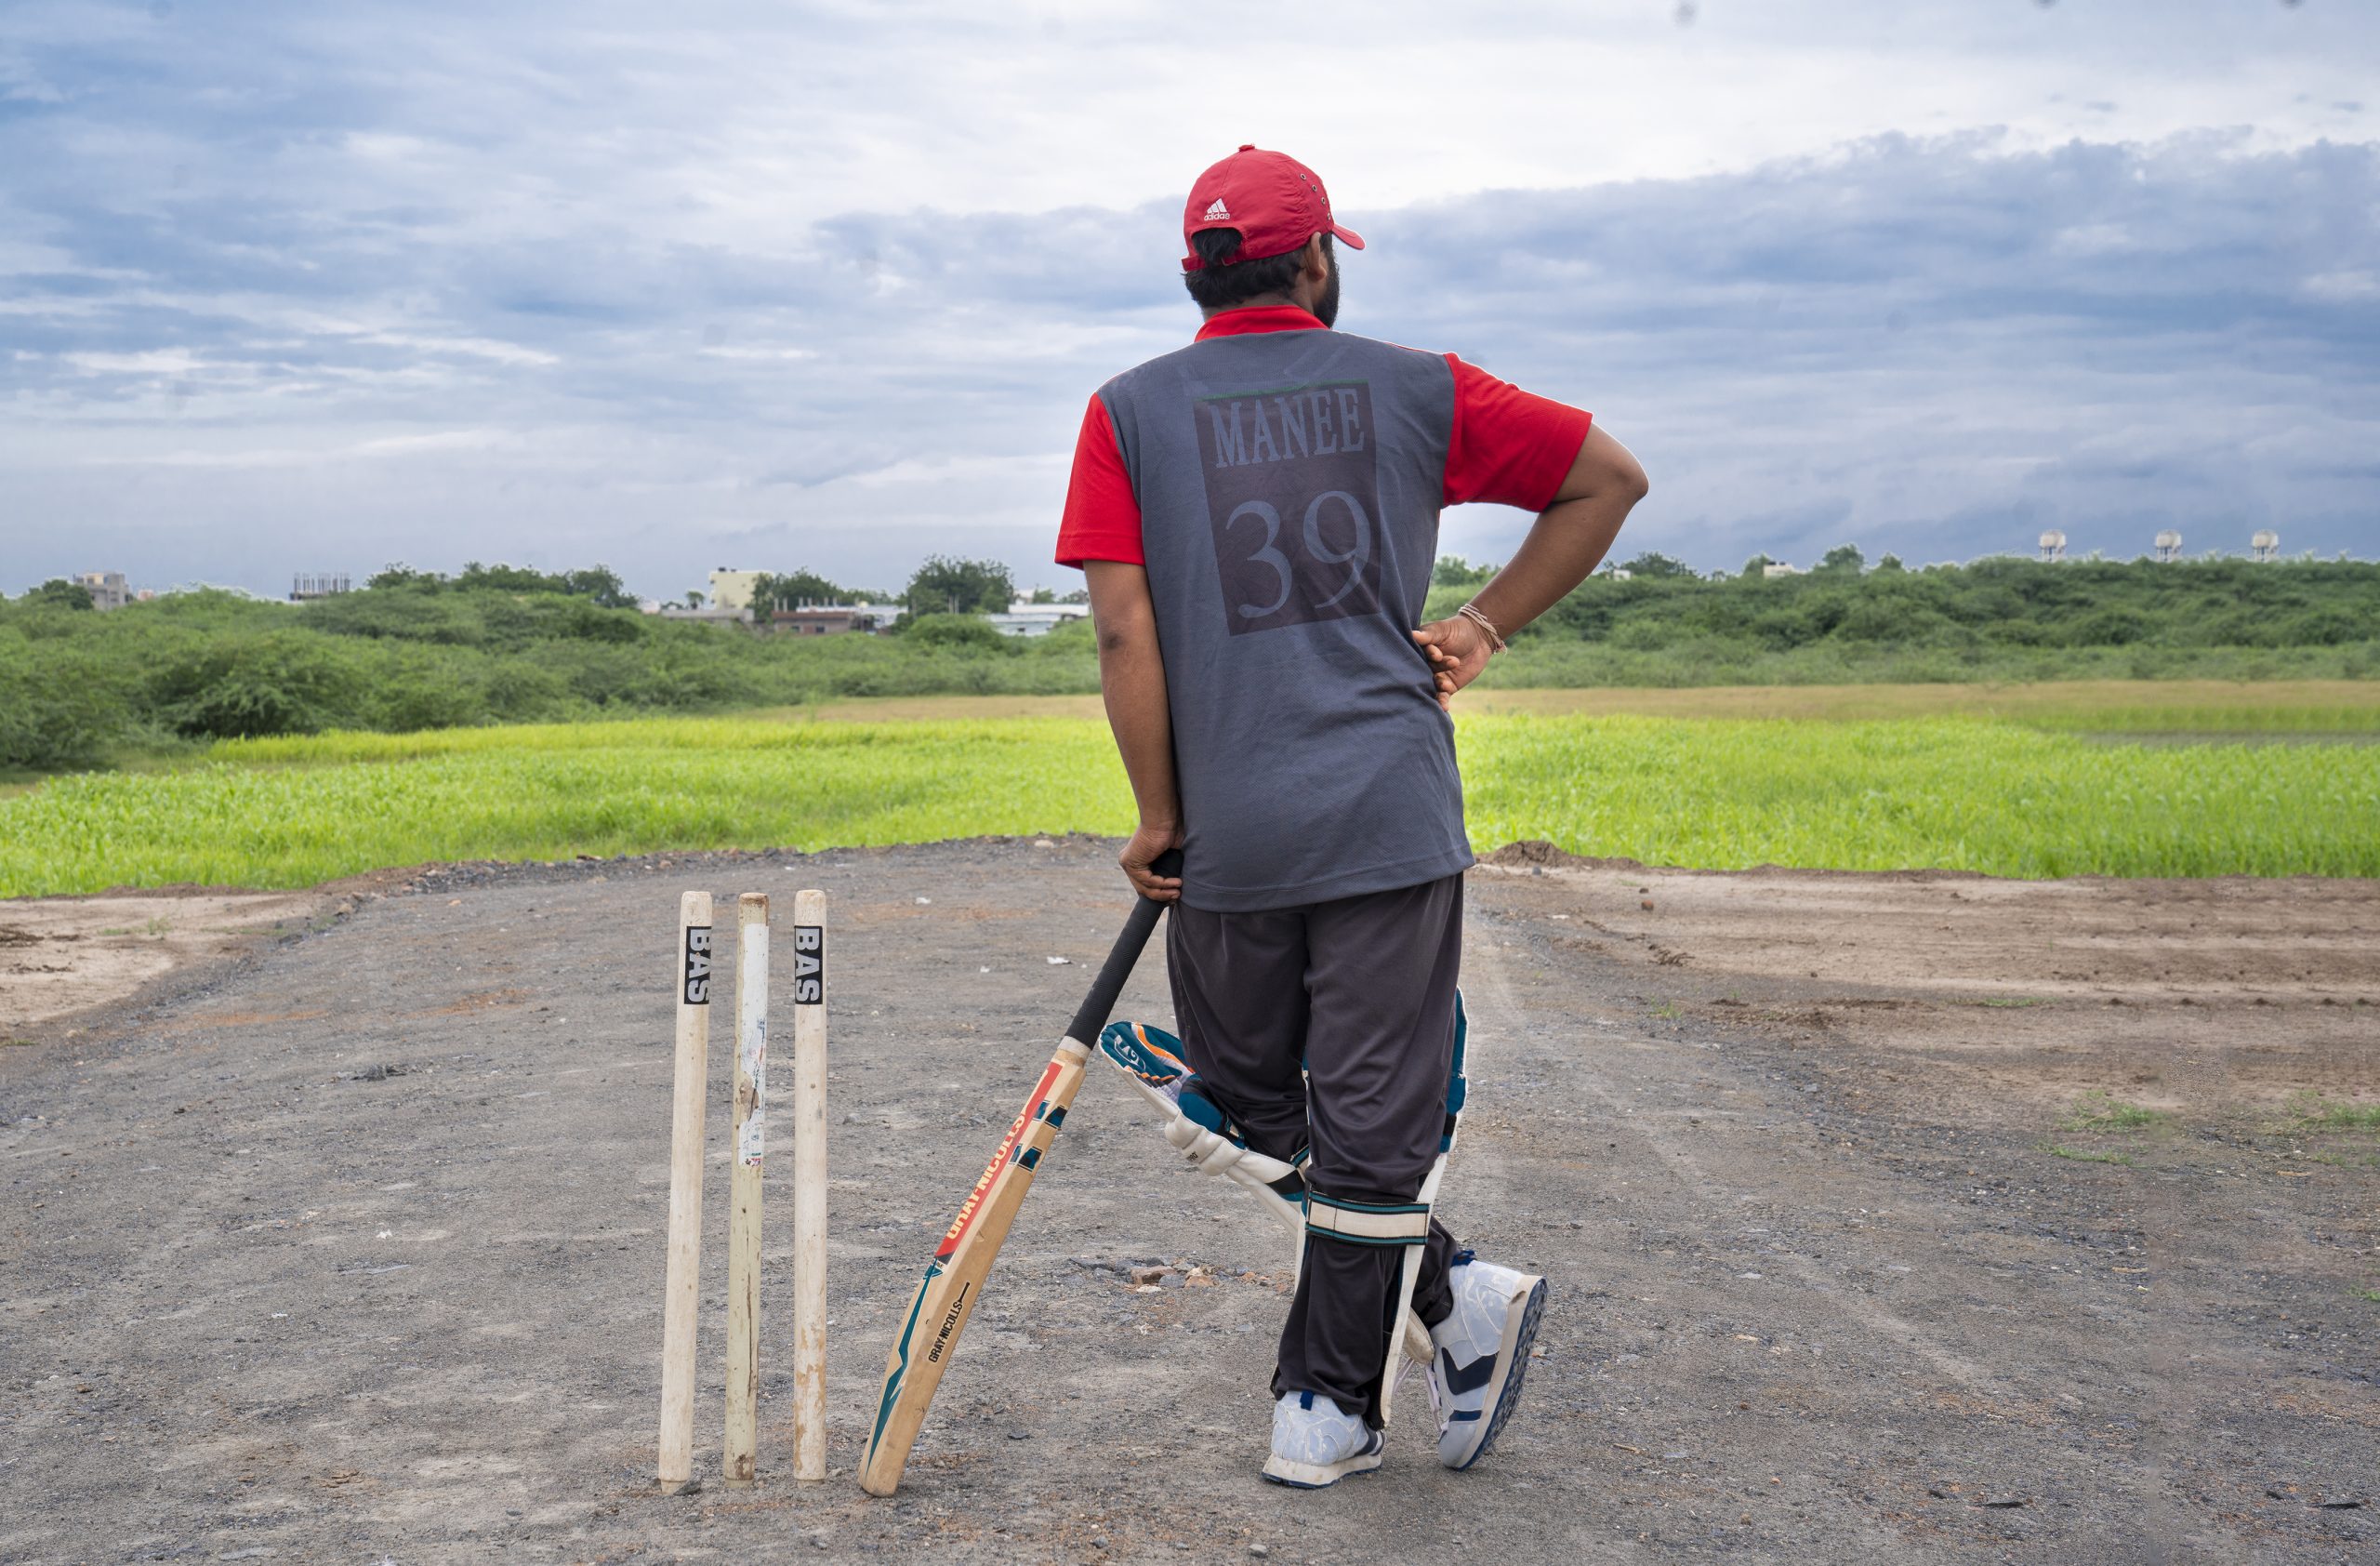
{"x": 1360, "y": 992}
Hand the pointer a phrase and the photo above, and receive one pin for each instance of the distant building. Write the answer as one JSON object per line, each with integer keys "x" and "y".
{"x": 2266, "y": 545}
{"x": 2169, "y": 546}
{"x": 1037, "y": 619}
{"x": 826, "y": 620}
{"x": 1621, "y": 574}
{"x": 1776, "y": 568}
{"x": 733, "y": 590}
{"x": 2052, "y": 546}
{"x": 107, "y": 589}
{"x": 303, "y": 588}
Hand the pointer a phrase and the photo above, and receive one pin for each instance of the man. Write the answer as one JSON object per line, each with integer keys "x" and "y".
{"x": 1257, "y": 516}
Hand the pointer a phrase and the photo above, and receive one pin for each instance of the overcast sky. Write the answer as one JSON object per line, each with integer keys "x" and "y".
{"x": 314, "y": 287}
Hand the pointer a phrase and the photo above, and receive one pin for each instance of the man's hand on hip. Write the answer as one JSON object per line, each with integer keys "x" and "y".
{"x": 1457, "y": 650}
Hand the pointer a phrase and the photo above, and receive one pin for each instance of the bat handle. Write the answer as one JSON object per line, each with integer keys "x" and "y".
{"x": 1101, "y": 1003}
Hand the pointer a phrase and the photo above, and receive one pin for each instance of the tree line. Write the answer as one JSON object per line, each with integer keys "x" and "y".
{"x": 415, "y": 650}
{"x": 498, "y": 643}
{"x": 1662, "y": 623}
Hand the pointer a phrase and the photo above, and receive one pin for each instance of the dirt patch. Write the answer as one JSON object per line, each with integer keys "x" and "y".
{"x": 64, "y": 956}
{"x": 490, "y": 999}
{"x": 2219, "y": 992}
{"x": 1870, "y": 1238}
{"x": 252, "y": 1019}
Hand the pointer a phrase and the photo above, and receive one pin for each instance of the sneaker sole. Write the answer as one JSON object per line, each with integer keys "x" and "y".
{"x": 1319, "y": 1475}
{"x": 1515, "y": 1353}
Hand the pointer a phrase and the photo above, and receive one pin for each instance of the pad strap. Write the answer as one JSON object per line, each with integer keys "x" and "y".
{"x": 1367, "y": 1223}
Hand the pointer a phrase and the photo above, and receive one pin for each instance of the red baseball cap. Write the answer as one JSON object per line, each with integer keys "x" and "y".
{"x": 1275, "y": 201}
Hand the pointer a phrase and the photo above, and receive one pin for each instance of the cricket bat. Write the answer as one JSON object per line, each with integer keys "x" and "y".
{"x": 954, "y": 1279}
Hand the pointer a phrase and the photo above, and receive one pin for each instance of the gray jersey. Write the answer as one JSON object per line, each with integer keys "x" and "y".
{"x": 1289, "y": 484}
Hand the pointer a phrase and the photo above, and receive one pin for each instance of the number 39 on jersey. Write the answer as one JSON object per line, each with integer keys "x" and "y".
{"x": 1293, "y": 495}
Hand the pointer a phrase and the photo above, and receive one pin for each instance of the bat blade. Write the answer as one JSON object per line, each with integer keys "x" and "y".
{"x": 954, "y": 1278}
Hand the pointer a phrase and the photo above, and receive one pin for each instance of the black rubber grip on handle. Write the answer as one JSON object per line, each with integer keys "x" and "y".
{"x": 1101, "y": 1003}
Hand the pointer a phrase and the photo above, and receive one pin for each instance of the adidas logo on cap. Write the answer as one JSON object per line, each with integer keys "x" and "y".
{"x": 1218, "y": 212}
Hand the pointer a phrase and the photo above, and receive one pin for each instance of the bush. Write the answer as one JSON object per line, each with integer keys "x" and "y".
{"x": 57, "y": 711}
{"x": 413, "y": 688}
{"x": 956, "y": 630}
{"x": 589, "y": 623}
{"x": 1067, "y": 639}
{"x": 521, "y": 692}
{"x": 788, "y": 590}
{"x": 402, "y": 613}
{"x": 959, "y": 587}
{"x": 61, "y": 593}
{"x": 598, "y": 584}
{"x": 2109, "y": 628}
{"x": 243, "y": 686}
{"x": 1656, "y": 566}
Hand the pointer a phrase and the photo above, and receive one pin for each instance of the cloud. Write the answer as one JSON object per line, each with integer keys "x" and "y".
{"x": 1911, "y": 326}
{"x": 826, "y": 282}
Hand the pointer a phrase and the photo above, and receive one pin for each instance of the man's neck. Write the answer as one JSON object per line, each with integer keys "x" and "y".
{"x": 1261, "y": 301}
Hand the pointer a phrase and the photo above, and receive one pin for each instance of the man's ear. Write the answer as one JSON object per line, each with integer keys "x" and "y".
{"x": 1315, "y": 262}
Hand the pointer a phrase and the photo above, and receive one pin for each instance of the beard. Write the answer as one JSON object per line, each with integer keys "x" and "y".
{"x": 1326, "y": 309}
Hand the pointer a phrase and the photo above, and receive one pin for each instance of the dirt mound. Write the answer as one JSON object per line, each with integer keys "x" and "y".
{"x": 1537, "y": 853}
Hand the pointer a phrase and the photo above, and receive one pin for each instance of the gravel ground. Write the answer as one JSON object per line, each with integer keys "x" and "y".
{"x": 348, "y": 1248}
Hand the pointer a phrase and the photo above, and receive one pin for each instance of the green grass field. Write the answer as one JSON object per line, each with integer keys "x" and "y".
{"x": 1958, "y": 793}
{"x": 2105, "y": 707}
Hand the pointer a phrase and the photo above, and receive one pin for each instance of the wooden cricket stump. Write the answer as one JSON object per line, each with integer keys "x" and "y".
{"x": 739, "y": 1447}
{"x": 681, "y": 1298}
{"x": 810, "y": 1186}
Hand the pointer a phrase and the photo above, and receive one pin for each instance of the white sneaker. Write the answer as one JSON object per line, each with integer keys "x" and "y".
{"x": 1482, "y": 1355}
{"x": 1314, "y": 1444}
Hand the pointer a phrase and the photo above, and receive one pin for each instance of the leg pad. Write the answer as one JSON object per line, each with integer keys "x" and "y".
{"x": 1367, "y": 1223}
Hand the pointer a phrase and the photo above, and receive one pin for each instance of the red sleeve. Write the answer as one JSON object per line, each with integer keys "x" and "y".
{"x": 1102, "y": 516}
{"x": 1509, "y": 446}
